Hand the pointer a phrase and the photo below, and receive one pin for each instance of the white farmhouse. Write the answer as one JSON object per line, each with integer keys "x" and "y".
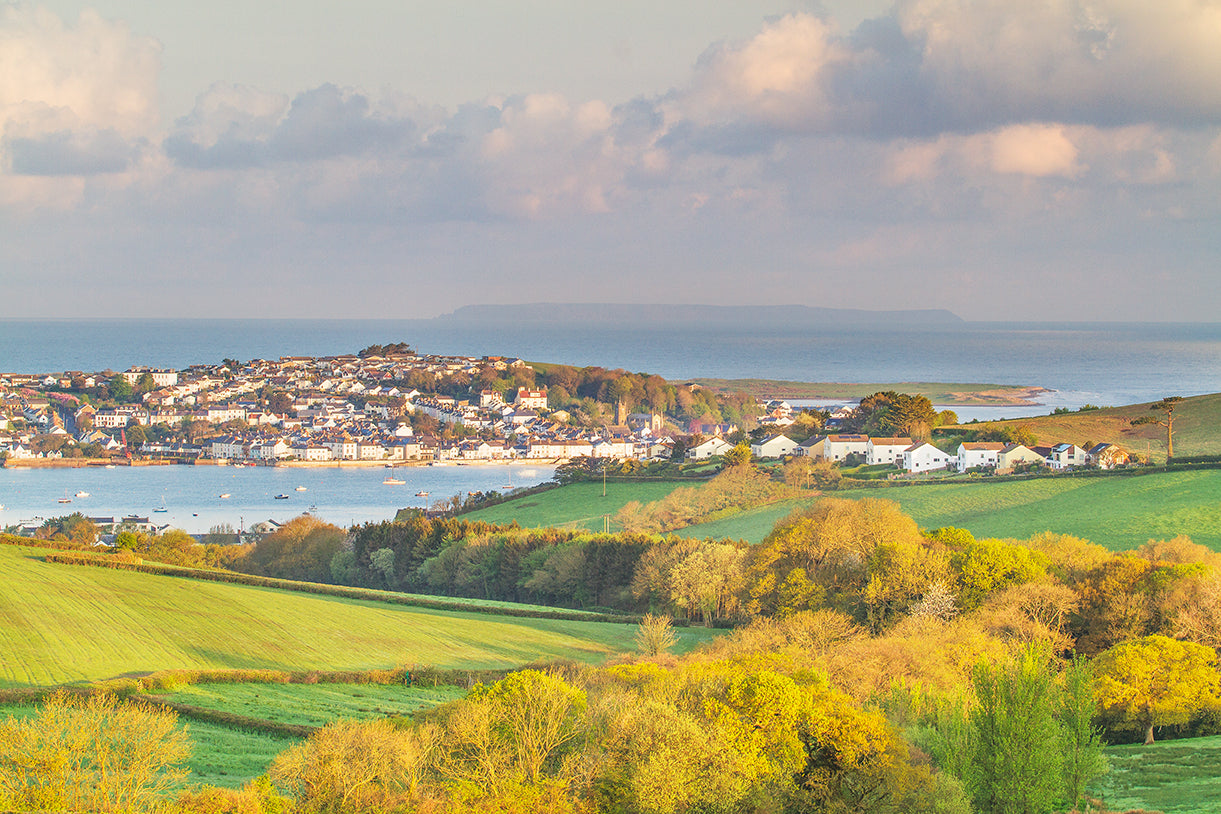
{"x": 886, "y": 450}
{"x": 1066, "y": 456}
{"x": 774, "y": 447}
{"x": 708, "y": 448}
{"x": 924, "y": 457}
{"x": 978, "y": 453}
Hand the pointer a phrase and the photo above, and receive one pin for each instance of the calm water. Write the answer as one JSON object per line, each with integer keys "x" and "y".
{"x": 191, "y": 494}
{"x": 1103, "y": 364}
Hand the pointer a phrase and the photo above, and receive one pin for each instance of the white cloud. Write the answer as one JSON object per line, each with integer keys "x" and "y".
{"x": 54, "y": 76}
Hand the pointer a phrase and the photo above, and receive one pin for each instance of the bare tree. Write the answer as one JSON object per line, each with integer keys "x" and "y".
{"x": 1166, "y": 406}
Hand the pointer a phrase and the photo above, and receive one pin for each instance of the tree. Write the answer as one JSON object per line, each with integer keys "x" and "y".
{"x": 1166, "y": 406}
{"x": 119, "y": 388}
{"x": 90, "y": 754}
{"x": 654, "y": 636}
{"x": 351, "y": 766}
{"x": 1081, "y": 744}
{"x": 1016, "y": 767}
{"x": 1156, "y": 681}
{"x": 738, "y": 455}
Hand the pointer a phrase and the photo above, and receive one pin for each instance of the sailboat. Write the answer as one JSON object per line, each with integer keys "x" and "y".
{"x": 161, "y": 508}
{"x": 64, "y": 499}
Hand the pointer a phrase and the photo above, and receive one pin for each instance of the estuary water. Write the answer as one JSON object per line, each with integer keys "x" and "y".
{"x": 193, "y": 502}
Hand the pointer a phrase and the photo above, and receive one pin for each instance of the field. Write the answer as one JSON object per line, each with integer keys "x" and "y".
{"x": 578, "y": 505}
{"x": 312, "y": 704}
{"x": 61, "y": 624}
{"x": 1119, "y": 512}
{"x": 1195, "y": 427}
{"x": 1172, "y": 776}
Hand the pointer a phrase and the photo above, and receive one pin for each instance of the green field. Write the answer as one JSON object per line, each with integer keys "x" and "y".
{"x": 1172, "y": 776}
{"x": 313, "y": 704}
{"x": 577, "y": 505}
{"x": 61, "y": 624}
{"x": 1119, "y": 512}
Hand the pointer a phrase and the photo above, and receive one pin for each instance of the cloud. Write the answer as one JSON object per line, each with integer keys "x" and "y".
{"x": 234, "y": 126}
{"x": 940, "y": 66}
{"x": 56, "y": 77}
{"x": 81, "y": 152}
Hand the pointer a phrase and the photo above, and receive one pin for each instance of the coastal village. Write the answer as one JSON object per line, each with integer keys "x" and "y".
{"x": 375, "y": 409}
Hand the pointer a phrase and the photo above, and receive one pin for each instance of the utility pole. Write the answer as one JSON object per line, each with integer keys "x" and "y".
{"x": 604, "y": 479}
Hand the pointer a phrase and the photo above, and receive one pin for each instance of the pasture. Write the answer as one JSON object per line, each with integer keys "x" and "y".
{"x": 1119, "y": 512}
{"x": 1175, "y": 777}
{"x": 62, "y": 624}
{"x": 575, "y": 506}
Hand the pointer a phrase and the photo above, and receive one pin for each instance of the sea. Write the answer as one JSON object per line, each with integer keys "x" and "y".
{"x": 1103, "y": 364}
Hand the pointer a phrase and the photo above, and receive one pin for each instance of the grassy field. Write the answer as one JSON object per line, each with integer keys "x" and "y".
{"x": 1195, "y": 427}
{"x": 1172, "y": 776}
{"x": 578, "y": 505}
{"x": 1118, "y": 512}
{"x": 312, "y": 704}
{"x": 61, "y": 624}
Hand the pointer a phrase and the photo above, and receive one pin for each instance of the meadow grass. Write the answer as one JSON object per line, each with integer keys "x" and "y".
{"x": 1119, "y": 512}
{"x": 61, "y": 624}
{"x": 229, "y": 757}
{"x": 575, "y": 506}
{"x": 1171, "y": 776}
{"x": 313, "y": 704}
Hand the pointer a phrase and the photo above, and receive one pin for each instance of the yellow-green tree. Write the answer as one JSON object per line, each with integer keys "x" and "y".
{"x": 90, "y": 754}
{"x": 1156, "y": 681}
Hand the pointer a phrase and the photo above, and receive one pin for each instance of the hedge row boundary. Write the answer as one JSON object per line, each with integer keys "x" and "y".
{"x": 339, "y": 591}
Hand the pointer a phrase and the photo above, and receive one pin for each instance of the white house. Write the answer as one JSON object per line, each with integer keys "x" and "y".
{"x": 887, "y": 450}
{"x": 924, "y": 457}
{"x": 836, "y": 447}
{"x": 774, "y": 447}
{"x": 1066, "y": 456}
{"x": 1106, "y": 456}
{"x": 708, "y": 448}
{"x": 978, "y": 453}
{"x": 531, "y": 399}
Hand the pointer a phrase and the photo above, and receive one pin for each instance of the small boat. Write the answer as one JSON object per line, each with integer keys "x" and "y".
{"x": 421, "y": 494}
{"x": 300, "y": 488}
{"x": 64, "y": 499}
{"x": 109, "y": 466}
{"x": 225, "y": 496}
{"x": 194, "y": 514}
{"x": 281, "y": 497}
{"x": 390, "y": 480}
{"x": 160, "y": 509}
{"x": 82, "y": 493}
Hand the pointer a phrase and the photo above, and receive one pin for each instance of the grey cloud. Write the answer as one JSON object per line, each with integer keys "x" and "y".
{"x": 72, "y": 153}
{"x": 322, "y": 123}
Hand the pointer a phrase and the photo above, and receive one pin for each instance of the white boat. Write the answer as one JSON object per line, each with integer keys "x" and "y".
{"x": 300, "y": 488}
{"x": 109, "y": 466}
{"x": 281, "y": 497}
{"x": 64, "y": 499}
{"x": 225, "y": 496}
{"x": 82, "y": 493}
{"x": 390, "y": 480}
{"x": 161, "y": 508}
{"x": 421, "y": 494}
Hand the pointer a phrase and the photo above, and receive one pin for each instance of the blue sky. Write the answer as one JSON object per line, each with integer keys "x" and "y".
{"x": 1055, "y": 161}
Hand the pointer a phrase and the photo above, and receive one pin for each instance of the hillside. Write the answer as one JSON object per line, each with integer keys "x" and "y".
{"x": 61, "y": 624}
{"x": 1117, "y": 512}
{"x": 941, "y": 393}
{"x": 1195, "y": 427}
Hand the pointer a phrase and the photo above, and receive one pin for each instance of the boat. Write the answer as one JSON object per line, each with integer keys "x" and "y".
{"x": 109, "y": 466}
{"x": 225, "y": 496}
{"x": 281, "y": 497}
{"x": 64, "y": 499}
{"x": 390, "y": 480}
{"x": 82, "y": 493}
{"x": 300, "y": 489}
{"x": 161, "y": 508}
{"x": 421, "y": 494}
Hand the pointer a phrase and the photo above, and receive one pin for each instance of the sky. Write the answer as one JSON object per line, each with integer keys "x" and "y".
{"x": 1058, "y": 160}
